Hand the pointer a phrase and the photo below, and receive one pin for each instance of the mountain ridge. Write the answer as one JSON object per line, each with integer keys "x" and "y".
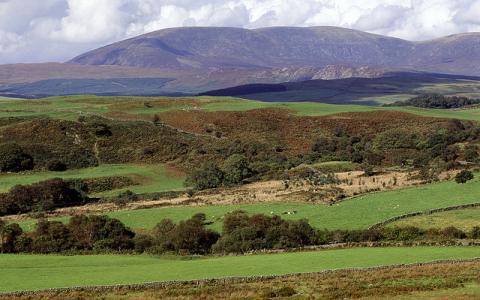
{"x": 275, "y": 47}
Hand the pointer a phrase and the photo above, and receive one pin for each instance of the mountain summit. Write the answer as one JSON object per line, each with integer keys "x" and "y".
{"x": 278, "y": 47}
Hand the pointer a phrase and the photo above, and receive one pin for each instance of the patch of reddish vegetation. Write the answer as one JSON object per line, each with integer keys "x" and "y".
{"x": 296, "y": 132}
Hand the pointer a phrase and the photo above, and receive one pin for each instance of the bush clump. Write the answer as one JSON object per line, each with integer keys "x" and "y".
{"x": 464, "y": 176}
{"x": 186, "y": 237}
{"x": 243, "y": 233}
{"x": 56, "y": 166}
{"x": 14, "y": 159}
{"x": 41, "y": 196}
{"x": 234, "y": 170}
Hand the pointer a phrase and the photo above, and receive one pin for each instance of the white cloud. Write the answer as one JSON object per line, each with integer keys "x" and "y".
{"x": 46, "y": 30}
{"x": 90, "y": 21}
{"x": 10, "y": 42}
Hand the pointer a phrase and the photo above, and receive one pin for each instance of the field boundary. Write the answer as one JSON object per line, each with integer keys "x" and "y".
{"x": 420, "y": 213}
{"x": 224, "y": 280}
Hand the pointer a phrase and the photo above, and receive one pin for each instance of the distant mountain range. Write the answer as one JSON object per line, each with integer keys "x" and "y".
{"x": 198, "y": 59}
{"x": 278, "y": 47}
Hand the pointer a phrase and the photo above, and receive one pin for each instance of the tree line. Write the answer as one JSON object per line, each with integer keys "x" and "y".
{"x": 437, "y": 101}
{"x": 241, "y": 233}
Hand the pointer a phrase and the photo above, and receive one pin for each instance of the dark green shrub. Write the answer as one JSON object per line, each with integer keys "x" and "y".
{"x": 125, "y": 197}
{"x": 51, "y": 237}
{"x": 471, "y": 153}
{"x": 189, "y": 236}
{"x": 142, "y": 243}
{"x": 14, "y": 159}
{"x": 101, "y": 129}
{"x": 100, "y": 233}
{"x": 207, "y": 176}
{"x": 56, "y": 166}
{"x": 235, "y": 169}
{"x": 436, "y": 101}
{"x": 41, "y": 196}
{"x": 9, "y": 235}
{"x": 464, "y": 176}
{"x": 243, "y": 233}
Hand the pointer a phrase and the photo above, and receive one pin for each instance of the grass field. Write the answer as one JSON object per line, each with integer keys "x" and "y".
{"x": 69, "y": 107}
{"x": 153, "y": 178}
{"x": 439, "y": 280}
{"x": 464, "y": 219}
{"x": 33, "y": 272}
{"x": 359, "y": 212}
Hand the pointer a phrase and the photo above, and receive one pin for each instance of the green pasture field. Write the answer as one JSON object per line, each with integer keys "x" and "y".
{"x": 34, "y": 272}
{"x": 69, "y": 107}
{"x": 464, "y": 219}
{"x": 152, "y": 178}
{"x": 355, "y": 213}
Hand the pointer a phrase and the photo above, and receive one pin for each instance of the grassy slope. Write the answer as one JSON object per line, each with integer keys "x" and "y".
{"x": 61, "y": 107}
{"x": 321, "y": 109}
{"x": 463, "y": 218}
{"x": 359, "y": 212}
{"x": 155, "y": 178}
{"x": 64, "y": 271}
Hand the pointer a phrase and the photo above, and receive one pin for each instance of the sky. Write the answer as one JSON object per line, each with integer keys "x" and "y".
{"x": 57, "y": 30}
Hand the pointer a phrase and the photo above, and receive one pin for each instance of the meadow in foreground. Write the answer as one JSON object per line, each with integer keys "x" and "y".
{"x": 49, "y": 271}
{"x": 432, "y": 281}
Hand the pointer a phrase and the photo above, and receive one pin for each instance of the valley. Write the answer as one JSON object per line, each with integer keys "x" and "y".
{"x": 231, "y": 163}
